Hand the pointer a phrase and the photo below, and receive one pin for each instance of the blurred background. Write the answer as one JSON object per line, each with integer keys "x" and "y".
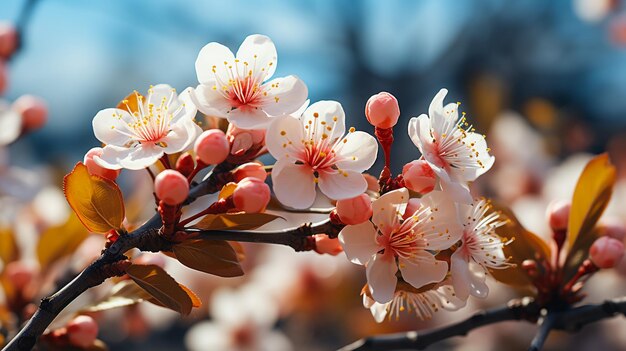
{"x": 545, "y": 80}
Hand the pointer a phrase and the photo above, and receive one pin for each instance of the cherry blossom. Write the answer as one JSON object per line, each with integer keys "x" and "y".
{"x": 235, "y": 87}
{"x": 312, "y": 150}
{"x": 162, "y": 124}
{"x": 423, "y": 303}
{"x": 481, "y": 249}
{"x": 388, "y": 242}
{"x": 454, "y": 151}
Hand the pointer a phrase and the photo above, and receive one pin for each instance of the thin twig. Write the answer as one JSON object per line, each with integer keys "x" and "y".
{"x": 547, "y": 325}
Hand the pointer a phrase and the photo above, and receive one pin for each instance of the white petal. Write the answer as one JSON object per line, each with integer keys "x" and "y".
{"x": 159, "y": 93}
{"x": 249, "y": 118}
{"x": 444, "y": 229}
{"x": 111, "y": 156}
{"x": 279, "y": 144}
{"x": 381, "y": 277}
{"x": 379, "y": 311}
{"x": 260, "y": 53}
{"x": 284, "y": 95}
{"x": 141, "y": 157}
{"x": 460, "y": 275}
{"x": 109, "y": 126}
{"x": 479, "y": 146}
{"x": 181, "y": 136}
{"x": 458, "y": 192}
{"x": 210, "y": 101}
{"x": 423, "y": 270}
{"x": 184, "y": 108}
{"x": 448, "y": 297}
{"x": 435, "y": 110}
{"x": 294, "y": 186}
{"x": 339, "y": 186}
{"x": 10, "y": 125}
{"x": 329, "y": 114}
{"x": 213, "y": 54}
{"x": 359, "y": 242}
{"x": 273, "y": 341}
{"x": 207, "y": 336}
{"x": 358, "y": 152}
{"x": 386, "y": 207}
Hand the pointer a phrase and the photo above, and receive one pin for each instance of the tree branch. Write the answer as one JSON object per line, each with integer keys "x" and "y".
{"x": 570, "y": 320}
{"x": 525, "y": 309}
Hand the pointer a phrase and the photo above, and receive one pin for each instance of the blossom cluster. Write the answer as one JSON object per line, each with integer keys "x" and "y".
{"x": 425, "y": 241}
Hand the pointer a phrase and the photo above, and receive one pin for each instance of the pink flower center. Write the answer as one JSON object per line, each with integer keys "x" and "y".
{"x": 245, "y": 93}
{"x": 320, "y": 157}
{"x": 401, "y": 240}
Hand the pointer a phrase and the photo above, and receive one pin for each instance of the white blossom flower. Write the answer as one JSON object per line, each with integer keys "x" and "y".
{"x": 312, "y": 150}
{"x": 242, "y": 321}
{"x": 162, "y": 123}
{"x": 481, "y": 250}
{"x": 235, "y": 87}
{"x": 454, "y": 151}
{"x": 388, "y": 242}
{"x": 423, "y": 303}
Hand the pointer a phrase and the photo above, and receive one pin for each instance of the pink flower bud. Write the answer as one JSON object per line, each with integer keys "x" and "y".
{"x": 250, "y": 169}
{"x": 412, "y": 206}
{"x": 613, "y": 227}
{"x": 251, "y": 195}
{"x": 4, "y": 77}
{"x": 171, "y": 187}
{"x": 326, "y": 245}
{"x": 95, "y": 169}
{"x": 558, "y": 215}
{"x": 372, "y": 182}
{"x": 19, "y": 274}
{"x": 382, "y": 110}
{"x": 606, "y": 252}
{"x": 185, "y": 164}
{"x": 34, "y": 111}
{"x": 82, "y": 331}
{"x": 8, "y": 40}
{"x": 419, "y": 177}
{"x": 355, "y": 210}
{"x": 244, "y": 139}
{"x": 212, "y": 147}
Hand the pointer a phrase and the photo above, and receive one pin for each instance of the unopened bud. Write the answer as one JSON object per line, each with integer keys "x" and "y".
{"x": 211, "y": 147}
{"x": 19, "y": 274}
{"x": 34, "y": 111}
{"x": 82, "y": 331}
{"x": 412, "y": 206}
{"x": 606, "y": 252}
{"x": 326, "y": 245}
{"x": 4, "y": 77}
{"x": 558, "y": 215}
{"x": 382, "y": 110}
{"x": 244, "y": 139}
{"x": 171, "y": 187}
{"x": 419, "y": 176}
{"x": 8, "y": 40}
{"x": 250, "y": 169}
{"x": 95, "y": 169}
{"x": 185, "y": 164}
{"x": 251, "y": 195}
{"x": 355, "y": 210}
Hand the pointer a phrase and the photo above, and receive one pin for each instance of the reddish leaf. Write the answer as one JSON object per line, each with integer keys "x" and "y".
{"x": 209, "y": 256}
{"x": 154, "y": 280}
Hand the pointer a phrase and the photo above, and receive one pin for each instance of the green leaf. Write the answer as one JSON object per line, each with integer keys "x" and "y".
{"x": 591, "y": 196}
{"x": 234, "y": 221}
{"x": 210, "y": 256}
{"x": 160, "y": 285}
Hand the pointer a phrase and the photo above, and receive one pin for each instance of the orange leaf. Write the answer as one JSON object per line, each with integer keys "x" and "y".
{"x": 227, "y": 190}
{"x": 591, "y": 196}
{"x": 8, "y": 246}
{"x": 97, "y": 201}
{"x": 234, "y": 221}
{"x": 154, "y": 280}
{"x": 525, "y": 245}
{"x": 131, "y": 102}
{"x": 195, "y": 300}
{"x": 60, "y": 241}
{"x": 209, "y": 256}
